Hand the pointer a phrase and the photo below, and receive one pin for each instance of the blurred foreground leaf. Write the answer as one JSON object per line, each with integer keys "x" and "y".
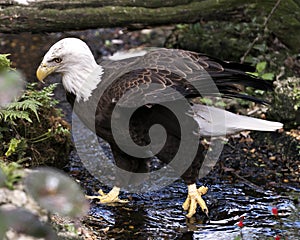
{"x": 57, "y": 192}
{"x": 23, "y": 221}
{"x": 4, "y": 62}
{"x": 2, "y": 180}
{"x": 11, "y": 82}
{"x": 3, "y": 225}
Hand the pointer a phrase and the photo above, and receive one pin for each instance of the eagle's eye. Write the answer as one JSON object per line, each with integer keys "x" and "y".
{"x": 57, "y": 60}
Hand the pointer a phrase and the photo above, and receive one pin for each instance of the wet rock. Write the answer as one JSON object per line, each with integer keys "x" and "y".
{"x": 18, "y": 198}
{"x": 3, "y": 195}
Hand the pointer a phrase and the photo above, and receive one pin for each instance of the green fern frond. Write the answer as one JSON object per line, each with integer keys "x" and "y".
{"x": 29, "y": 103}
{"x": 43, "y": 96}
{"x": 25, "y": 105}
{"x": 11, "y": 115}
{"x": 44, "y": 93}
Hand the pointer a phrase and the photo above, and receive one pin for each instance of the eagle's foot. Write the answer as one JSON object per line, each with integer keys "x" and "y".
{"x": 111, "y": 197}
{"x": 194, "y": 198}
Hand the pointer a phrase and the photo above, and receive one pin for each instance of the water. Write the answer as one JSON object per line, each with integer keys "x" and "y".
{"x": 159, "y": 215}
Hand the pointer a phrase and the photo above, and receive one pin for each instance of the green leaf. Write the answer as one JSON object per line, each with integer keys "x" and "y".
{"x": 252, "y": 60}
{"x": 260, "y": 47}
{"x": 253, "y": 74}
{"x": 4, "y": 62}
{"x": 260, "y": 92}
{"x": 238, "y": 237}
{"x": 220, "y": 104}
{"x": 206, "y": 101}
{"x": 261, "y": 66}
{"x": 13, "y": 145}
{"x": 268, "y": 76}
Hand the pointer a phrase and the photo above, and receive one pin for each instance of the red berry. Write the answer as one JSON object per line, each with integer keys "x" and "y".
{"x": 277, "y": 237}
{"x": 241, "y": 224}
{"x": 275, "y": 211}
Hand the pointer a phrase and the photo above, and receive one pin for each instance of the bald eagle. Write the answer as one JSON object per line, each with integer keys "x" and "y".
{"x": 152, "y": 83}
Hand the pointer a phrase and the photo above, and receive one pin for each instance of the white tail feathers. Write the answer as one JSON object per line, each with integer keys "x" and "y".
{"x": 218, "y": 122}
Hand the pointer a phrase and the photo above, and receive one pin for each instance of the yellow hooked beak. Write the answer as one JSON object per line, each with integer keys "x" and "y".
{"x": 43, "y": 71}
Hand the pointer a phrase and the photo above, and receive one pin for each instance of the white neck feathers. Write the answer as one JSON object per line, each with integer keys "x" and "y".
{"x": 81, "y": 81}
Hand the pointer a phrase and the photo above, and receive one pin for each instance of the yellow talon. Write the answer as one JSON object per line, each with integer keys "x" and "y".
{"x": 195, "y": 197}
{"x": 202, "y": 190}
{"x": 111, "y": 197}
{"x": 186, "y": 203}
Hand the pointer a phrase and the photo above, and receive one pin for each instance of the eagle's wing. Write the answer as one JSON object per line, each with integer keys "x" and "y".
{"x": 149, "y": 86}
{"x": 203, "y": 72}
{"x": 168, "y": 74}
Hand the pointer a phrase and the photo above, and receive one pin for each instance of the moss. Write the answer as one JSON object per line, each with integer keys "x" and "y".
{"x": 286, "y": 105}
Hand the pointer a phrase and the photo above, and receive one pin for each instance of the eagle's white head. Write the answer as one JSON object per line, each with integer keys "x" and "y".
{"x": 74, "y": 60}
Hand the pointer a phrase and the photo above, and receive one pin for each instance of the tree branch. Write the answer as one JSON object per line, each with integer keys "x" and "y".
{"x": 62, "y": 15}
{"x": 259, "y": 37}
